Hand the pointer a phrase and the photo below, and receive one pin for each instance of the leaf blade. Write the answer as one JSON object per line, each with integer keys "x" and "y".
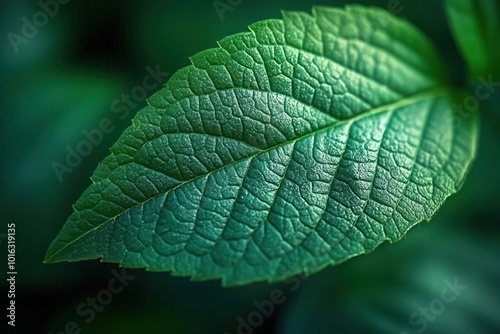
{"x": 207, "y": 176}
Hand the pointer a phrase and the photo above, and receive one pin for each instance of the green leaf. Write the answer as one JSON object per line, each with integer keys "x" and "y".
{"x": 299, "y": 144}
{"x": 475, "y": 26}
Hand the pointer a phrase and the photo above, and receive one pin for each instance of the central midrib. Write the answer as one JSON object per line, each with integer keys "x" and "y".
{"x": 434, "y": 92}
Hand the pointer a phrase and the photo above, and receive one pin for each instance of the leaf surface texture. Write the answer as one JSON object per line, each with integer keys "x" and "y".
{"x": 296, "y": 145}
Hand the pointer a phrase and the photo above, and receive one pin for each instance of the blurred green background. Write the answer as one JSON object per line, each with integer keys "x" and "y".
{"x": 65, "y": 79}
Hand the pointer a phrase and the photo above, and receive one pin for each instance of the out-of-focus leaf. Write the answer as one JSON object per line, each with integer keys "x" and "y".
{"x": 475, "y": 26}
{"x": 44, "y": 126}
{"x": 358, "y": 298}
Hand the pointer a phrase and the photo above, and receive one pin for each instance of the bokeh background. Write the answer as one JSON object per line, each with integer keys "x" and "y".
{"x": 65, "y": 79}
